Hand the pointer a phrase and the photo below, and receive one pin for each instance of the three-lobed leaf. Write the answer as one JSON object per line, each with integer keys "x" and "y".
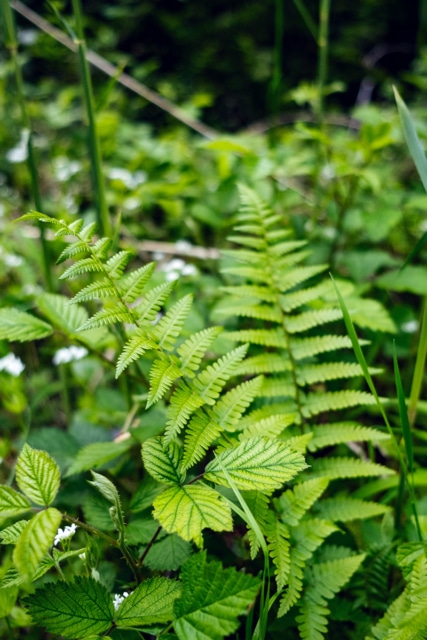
{"x": 37, "y": 475}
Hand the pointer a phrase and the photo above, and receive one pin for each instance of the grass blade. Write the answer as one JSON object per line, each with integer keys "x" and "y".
{"x": 406, "y": 429}
{"x": 415, "y": 148}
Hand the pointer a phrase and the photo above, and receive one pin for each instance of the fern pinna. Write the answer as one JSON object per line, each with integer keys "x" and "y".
{"x": 284, "y": 308}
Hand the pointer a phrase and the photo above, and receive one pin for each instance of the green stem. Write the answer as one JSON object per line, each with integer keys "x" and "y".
{"x": 94, "y": 142}
{"x": 417, "y": 379}
{"x": 323, "y": 44}
{"x": 276, "y": 80}
{"x": 12, "y": 46}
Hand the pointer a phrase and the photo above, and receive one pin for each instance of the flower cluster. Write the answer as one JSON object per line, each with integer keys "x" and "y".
{"x": 118, "y": 599}
{"x": 65, "y": 533}
{"x": 69, "y": 354}
{"x": 11, "y": 364}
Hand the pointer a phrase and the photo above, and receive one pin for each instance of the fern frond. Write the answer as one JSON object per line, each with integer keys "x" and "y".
{"x": 163, "y": 374}
{"x": 201, "y": 432}
{"x": 117, "y": 263}
{"x": 326, "y": 435}
{"x": 309, "y": 319}
{"x": 347, "y": 509}
{"x": 296, "y": 276}
{"x": 72, "y": 250}
{"x": 193, "y": 349}
{"x": 270, "y": 427}
{"x": 229, "y": 409}
{"x": 334, "y": 468}
{"x": 277, "y": 387}
{"x": 264, "y": 294}
{"x": 86, "y": 233}
{"x": 154, "y": 299}
{"x": 291, "y": 301}
{"x": 183, "y": 402}
{"x": 294, "y": 503}
{"x": 268, "y": 411}
{"x": 132, "y": 285}
{"x": 326, "y": 580}
{"x": 117, "y": 313}
{"x": 311, "y": 374}
{"x": 101, "y": 247}
{"x": 316, "y": 403}
{"x": 243, "y": 309}
{"x": 309, "y": 535}
{"x": 212, "y": 379}
{"x": 135, "y": 347}
{"x": 278, "y": 544}
{"x": 95, "y": 290}
{"x": 263, "y": 337}
{"x": 310, "y": 347}
{"x": 169, "y": 327}
{"x": 264, "y": 363}
{"x": 251, "y": 273}
{"x": 258, "y": 504}
{"x": 86, "y": 265}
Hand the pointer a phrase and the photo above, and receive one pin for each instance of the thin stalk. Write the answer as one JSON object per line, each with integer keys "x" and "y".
{"x": 276, "y": 80}
{"x": 419, "y": 368}
{"x": 94, "y": 142}
{"x": 12, "y": 45}
{"x": 305, "y": 15}
{"x": 323, "y": 44}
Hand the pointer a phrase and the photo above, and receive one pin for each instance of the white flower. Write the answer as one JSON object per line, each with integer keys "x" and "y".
{"x": 11, "y": 364}
{"x": 177, "y": 267}
{"x": 69, "y": 354}
{"x": 410, "y": 327}
{"x": 118, "y": 599}
{"x": 20, "y": 152}
{"x": 65, "y": 533}
{"x": 82, "y": 556}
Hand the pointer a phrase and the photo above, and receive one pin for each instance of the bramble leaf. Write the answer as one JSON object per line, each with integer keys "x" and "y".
{"x": 151, "y": 602}
{"x": 73, "y": 610}
{"x": 162, "y": 461}
{"x": 37, "y": 475}
{"x": 257, "y": 463}
{"x": 190, "y": 509}
{"x": 212, "y": 599}
{"x": 12, "y": 503}
{"x": 35, "y": 540}
{"x": 21, "y": 326}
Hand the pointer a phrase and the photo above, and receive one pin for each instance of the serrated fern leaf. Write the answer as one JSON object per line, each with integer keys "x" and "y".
{"x": 243, "y": 309}
{"x": 193, "y": 349}
{"x": 326, "y": 435}
{"x": 116, "y": 313}
{"x": 101, "y": 247}
{"x": 163, "y": 374}
{"x": 21, "y": 326}
{"x": 133, "y": 284}
{"x": 278, "y": 386}
{"x": 86, "y": 265}
{"x": 117, "y": 263}
{"x": 316, "y": 403}
{"x": 201, "y": 432}
{"x": 326, "y": 580}
{"x": 87, "y": 232}
{"x": 294, "y": 503}
{"x": 154, "y": 299}
{"x": 309, "y": 319}
{"x": 248, "y": 291}
{"x": 73, "y": 250}
{"x": 263, "y": 337}
{"x": 212, "y": 379}
{"x": 278, "y": 541}
{"x": 309, "y": 347}
{"x": 264, "y": 363}
{"x": 333, "y": 468}
{"x": 169, "y": 327}
{"x": 183, "y": 402}
{"x": 258, "y": 504}
{"x": 229, "y": 409}
{"x": 347, "y": 509}
{"x": 296, "y": 276}
{"x": 311, "y": 374}
{"x": 95, "y": 290}
{"x": 269, "y": 427}
{"x": 133, "y": 349}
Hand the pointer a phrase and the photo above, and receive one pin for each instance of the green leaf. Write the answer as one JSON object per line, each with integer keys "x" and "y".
{"x": 169, "y": 554}
{"x": 257, "y": 463}
{"x": 347, "y": 509}
{"x": 37, "y": 475}
{"x": 348, "y": 468}
{"x": 212, "y": 379}
{"x": 68, "y": 318}
{"x": 12, "y": 503}
{"x": 212, "y": 599}
{"x": 96, "y": 454}
{"x": 190, "y": 509}
{"x": 411, "y": 278}
{"x": 11, "y": 534}
{"x": 73, "y": 610}
{"x": 21, "y": 326}
{"x": 152, "y": 602}
{"x": 35, "y": 540}
{"x": 412, "y": 140}
{"x": 193, "y": 349}
{"x": 162, "y": 460}
{"x": 163, "y": 374}
{"x": 135, "y": 347}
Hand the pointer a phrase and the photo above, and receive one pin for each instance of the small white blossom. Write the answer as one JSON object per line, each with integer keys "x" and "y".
{"x": 20, "y": 152}
{"x": 177, "y": 267}
{"x": 118, "y": 599}
{"x": 130, "y": 180}
{"x": 82, "y": 556}
{"x": 69, "y": 354}
{"x": 11, "y": 364}
{"x": 65, "y": 533}
{"x": 183, "y": 245}
{"x": 410, "y": 327}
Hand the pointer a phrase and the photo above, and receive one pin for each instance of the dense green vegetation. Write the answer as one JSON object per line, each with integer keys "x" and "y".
{"x": 212, "y": 325}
